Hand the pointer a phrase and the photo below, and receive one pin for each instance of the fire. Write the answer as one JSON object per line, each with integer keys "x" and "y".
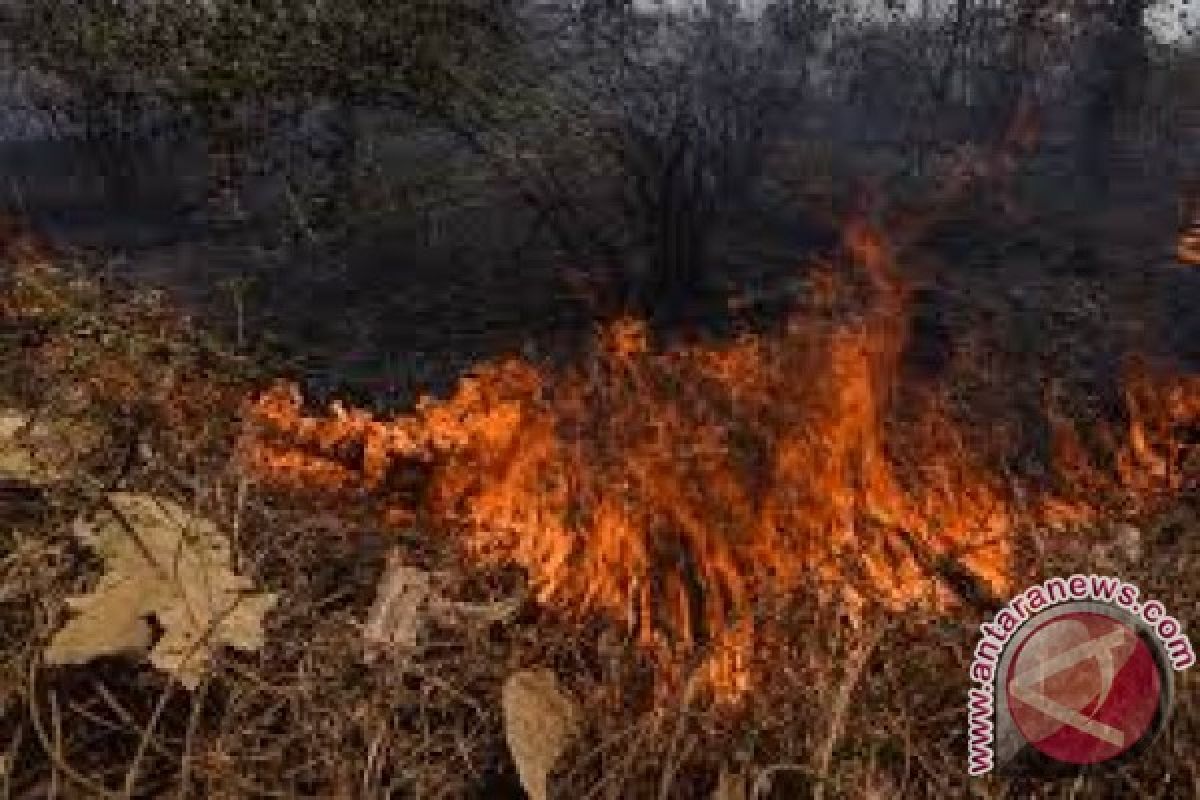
{"x": 1187, "y": 245}
{"x": 683, "y": 492}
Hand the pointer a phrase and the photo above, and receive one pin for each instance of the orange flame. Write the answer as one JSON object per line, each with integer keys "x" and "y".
{"x": 682, "y": 492}
{"x": 1187, "y": 244}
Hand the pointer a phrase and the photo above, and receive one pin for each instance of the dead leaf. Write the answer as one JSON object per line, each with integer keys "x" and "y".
{"x": 160, "y": 561}
{"x": 540, "y": 720}
{"x": 395, "y": 619}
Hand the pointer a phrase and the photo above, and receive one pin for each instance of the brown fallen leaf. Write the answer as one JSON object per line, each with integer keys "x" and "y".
{"x": 396, "y": 618}
{"x": 163, "y": 562}
{"x": 540, "y": 720}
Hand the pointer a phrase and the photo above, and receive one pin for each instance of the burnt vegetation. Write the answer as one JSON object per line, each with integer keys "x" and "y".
{"x": 764, "y": 348}
{"x": 456, "y": 178}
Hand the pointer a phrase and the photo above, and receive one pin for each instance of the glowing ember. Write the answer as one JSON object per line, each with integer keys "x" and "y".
{"x": 683, "y": 492}
{"x": 1187, "y": 248}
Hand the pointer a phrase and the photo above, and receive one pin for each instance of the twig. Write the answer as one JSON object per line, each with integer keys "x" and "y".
{"x": 48, "y": 746}
{"x": 132, "y": 773}
{"x": 56, "y": 723}
{"x": 685, "y": 752}
{"x": 673, "y": 758}
{"x": 298, "y": 213}
{"x": 640, "y": 727}
{"x": 855, "y": 664}
{"x": 762, "y": 784}
{"x": 185, "y": 758}
{"x": 122, "y": 714}
{"x": 371, "y": 768}
{"x": 10, "y": 759}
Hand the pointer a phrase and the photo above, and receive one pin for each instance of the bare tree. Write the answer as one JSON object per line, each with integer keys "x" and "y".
{"x": 1118, "y": 68}
{"x": 653, "y": 127}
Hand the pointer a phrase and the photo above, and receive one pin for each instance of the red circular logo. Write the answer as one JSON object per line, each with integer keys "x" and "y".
{"x": 1084, "y": 688}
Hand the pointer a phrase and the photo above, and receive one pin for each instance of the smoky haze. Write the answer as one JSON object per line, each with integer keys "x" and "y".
{"x": 583, "y": 157}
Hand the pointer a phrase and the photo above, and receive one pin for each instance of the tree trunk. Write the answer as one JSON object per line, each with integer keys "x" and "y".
{"x": 1119, "y": 70}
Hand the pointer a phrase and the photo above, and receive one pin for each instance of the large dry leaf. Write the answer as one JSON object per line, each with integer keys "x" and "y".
{"x": 163, "y": 562}
{"x": 539, "y": 722}
{"x": 395, "y": 619}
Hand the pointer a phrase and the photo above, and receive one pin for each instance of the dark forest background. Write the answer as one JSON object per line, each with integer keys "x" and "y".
{"x": 387, "y": 191}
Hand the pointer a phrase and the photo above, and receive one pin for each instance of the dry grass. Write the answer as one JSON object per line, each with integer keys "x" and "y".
{"x": 873, "y": 710}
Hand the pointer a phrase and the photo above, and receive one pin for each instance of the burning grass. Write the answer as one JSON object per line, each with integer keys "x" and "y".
{"x": 700, "y": 496}
{"x": 690, "y": 493}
